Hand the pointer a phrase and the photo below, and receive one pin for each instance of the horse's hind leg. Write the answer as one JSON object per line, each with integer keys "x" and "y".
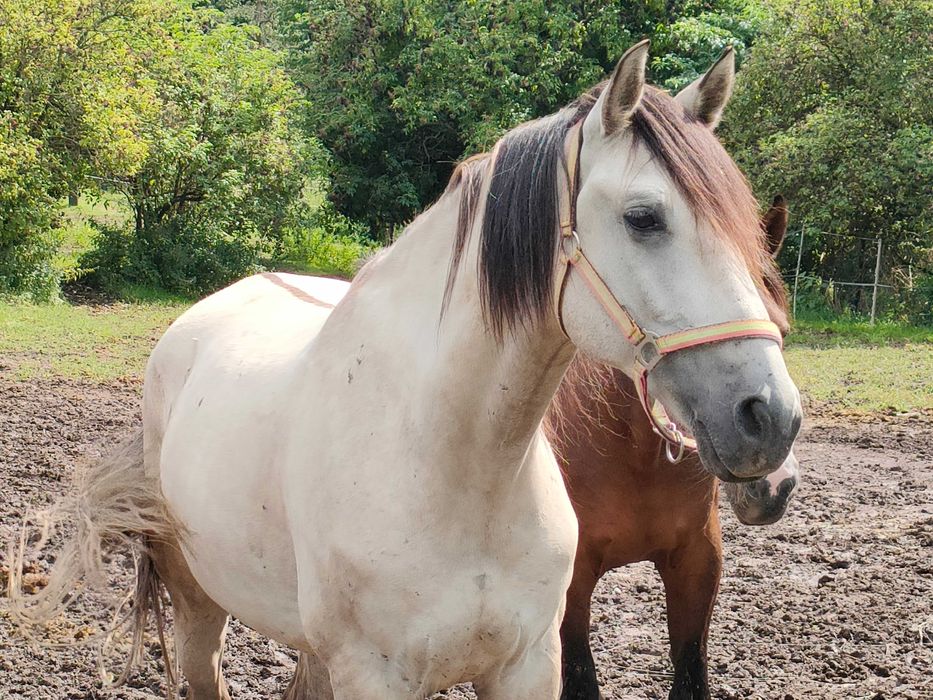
{"x": 200, "y": 625}
{"x": 691, "y": 581}
{"x": 311, "y": 680}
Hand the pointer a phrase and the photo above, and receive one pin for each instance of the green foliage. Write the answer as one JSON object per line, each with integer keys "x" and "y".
{"x": 26, "y": 215}
{"x": 398, "y": 90}
{"x": 222, "y": 165}
{"x": 319, "y": 251}
{"x": 835, "y": 109}
{"x": 183, "y": 255}
{"x": 78, "y": 232}
{"x": 183, "y": 114}
{"x": 324, "y": 241}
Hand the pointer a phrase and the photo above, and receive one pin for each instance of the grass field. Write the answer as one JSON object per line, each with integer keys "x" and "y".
{"x": 852, "y": 367}
{"x": 104, "y": 343}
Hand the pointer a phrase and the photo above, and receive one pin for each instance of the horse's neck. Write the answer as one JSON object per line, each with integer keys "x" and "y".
{"x": 470, "y": 393}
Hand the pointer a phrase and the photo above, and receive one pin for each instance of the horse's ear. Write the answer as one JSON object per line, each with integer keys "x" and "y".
{"x": 774, "y": 223}
{"x": 621, "y": 97}
{"x": 706, "y": 97}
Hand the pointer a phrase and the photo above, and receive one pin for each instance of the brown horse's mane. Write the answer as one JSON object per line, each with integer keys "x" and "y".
{"x": 583, "y": 394}
{"x": 527, "y": 168}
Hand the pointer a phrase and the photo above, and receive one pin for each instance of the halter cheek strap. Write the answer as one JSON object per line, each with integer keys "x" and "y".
{"x": 650, "y": 348}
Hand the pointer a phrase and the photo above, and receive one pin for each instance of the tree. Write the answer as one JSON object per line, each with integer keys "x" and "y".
{"x": 170, "y": 105}
{"x": 52, "y": 66}
{"x": 222, "y": 164}
{"x": 835, "y": 109}
{"x": 26, "y": 214}
{"x": 398, "y": 91}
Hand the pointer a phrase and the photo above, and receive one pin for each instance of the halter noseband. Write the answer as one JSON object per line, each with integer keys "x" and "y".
{"x": 650, "y": 348}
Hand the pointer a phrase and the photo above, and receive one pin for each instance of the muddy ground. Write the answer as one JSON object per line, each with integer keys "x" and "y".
{"x": 835, "y": 601}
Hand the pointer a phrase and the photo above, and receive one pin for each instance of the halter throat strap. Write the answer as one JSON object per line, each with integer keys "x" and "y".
{"x": 649, "y": 348}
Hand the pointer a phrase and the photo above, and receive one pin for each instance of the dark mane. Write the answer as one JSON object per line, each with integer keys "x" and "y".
{"x": 520, "y": 219}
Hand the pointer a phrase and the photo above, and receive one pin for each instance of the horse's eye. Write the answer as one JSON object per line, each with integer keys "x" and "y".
{"x": 643, "y": 219}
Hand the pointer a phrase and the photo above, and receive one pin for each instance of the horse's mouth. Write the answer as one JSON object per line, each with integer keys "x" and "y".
{"x": 756, "y": 504}
{"x": 710, "y": 458}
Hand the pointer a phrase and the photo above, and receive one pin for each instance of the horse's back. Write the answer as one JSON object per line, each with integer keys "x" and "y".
{"x": 261, "y": 320}
{"x": 260, "y": 307}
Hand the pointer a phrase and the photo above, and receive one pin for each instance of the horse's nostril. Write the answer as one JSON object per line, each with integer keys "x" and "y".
{"x": 752, "y": 418}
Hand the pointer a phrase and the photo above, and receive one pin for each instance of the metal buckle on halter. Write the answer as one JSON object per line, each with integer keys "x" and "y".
{"x": 674, "y": 459}
{"x": 570, "y": 246}
{"x": 647, "y": 353}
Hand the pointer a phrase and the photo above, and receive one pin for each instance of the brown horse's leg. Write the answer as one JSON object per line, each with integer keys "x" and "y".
{"x": 691, "y": 581}
{"x": 578, "y": 669}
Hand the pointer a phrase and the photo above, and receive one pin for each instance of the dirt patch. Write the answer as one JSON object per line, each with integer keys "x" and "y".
{"x": 835, "y": 601}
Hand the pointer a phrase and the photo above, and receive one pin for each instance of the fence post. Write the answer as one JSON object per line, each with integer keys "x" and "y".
{"x": 874, "y": 289}
{"x": 797, "y": 273}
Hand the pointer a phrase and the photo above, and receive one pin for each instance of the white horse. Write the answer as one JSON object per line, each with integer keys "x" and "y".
{"x": 358, "y": 472}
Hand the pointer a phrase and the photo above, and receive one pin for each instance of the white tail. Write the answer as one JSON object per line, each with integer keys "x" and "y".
{"x": 115, "y": 510}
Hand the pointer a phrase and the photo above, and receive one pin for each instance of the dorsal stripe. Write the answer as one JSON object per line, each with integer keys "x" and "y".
{"x": 295, "y": 291}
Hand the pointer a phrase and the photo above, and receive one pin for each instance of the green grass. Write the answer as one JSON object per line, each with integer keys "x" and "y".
{"x": 846, "y": 367}
{"x": 825, "y": 333}
{"x": 101, "y": 344}
{"x": 855, "y": 367}
{"x": 861, "y": 380}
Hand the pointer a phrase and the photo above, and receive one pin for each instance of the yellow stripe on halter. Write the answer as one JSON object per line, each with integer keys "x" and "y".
{"x": 746, "y": 328}
{"x": 618, "y": 313}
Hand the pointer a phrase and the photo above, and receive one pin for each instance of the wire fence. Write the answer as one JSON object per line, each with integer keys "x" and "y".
{"x": 800, "y": 278}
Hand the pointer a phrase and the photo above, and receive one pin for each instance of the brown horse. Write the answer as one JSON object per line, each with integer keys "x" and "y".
{"x": 632, "y": 505}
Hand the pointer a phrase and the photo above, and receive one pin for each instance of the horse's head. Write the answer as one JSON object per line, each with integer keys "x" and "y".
{"x": 670, "y": 228}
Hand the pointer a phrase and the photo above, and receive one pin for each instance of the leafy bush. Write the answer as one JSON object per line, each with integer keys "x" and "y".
{"x": 185, "y": 256}
{"x": 914, "y": 300}
{"x": 222, "y": 165}
{"x": 186, "y": 116}
{"x": 27, "y": 216}
{"x": 326, "y": 242}
{"x": 57, "y": 59}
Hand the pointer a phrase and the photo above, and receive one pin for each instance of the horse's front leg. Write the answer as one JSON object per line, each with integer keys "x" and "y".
{"x": 691, "y": 581}
{"x": 535, "y": 677}
{"x": 578, "y": 666}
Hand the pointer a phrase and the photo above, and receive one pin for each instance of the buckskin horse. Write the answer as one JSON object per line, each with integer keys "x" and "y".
{"x": 361, "y": 473}
{"x": 634, "y": 505}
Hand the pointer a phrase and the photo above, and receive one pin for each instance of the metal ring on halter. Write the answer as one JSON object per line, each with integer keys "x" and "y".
{"x": 674, "y": 459}
{"x": 573, "y": 240}
{"x": 647, "y": 353}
